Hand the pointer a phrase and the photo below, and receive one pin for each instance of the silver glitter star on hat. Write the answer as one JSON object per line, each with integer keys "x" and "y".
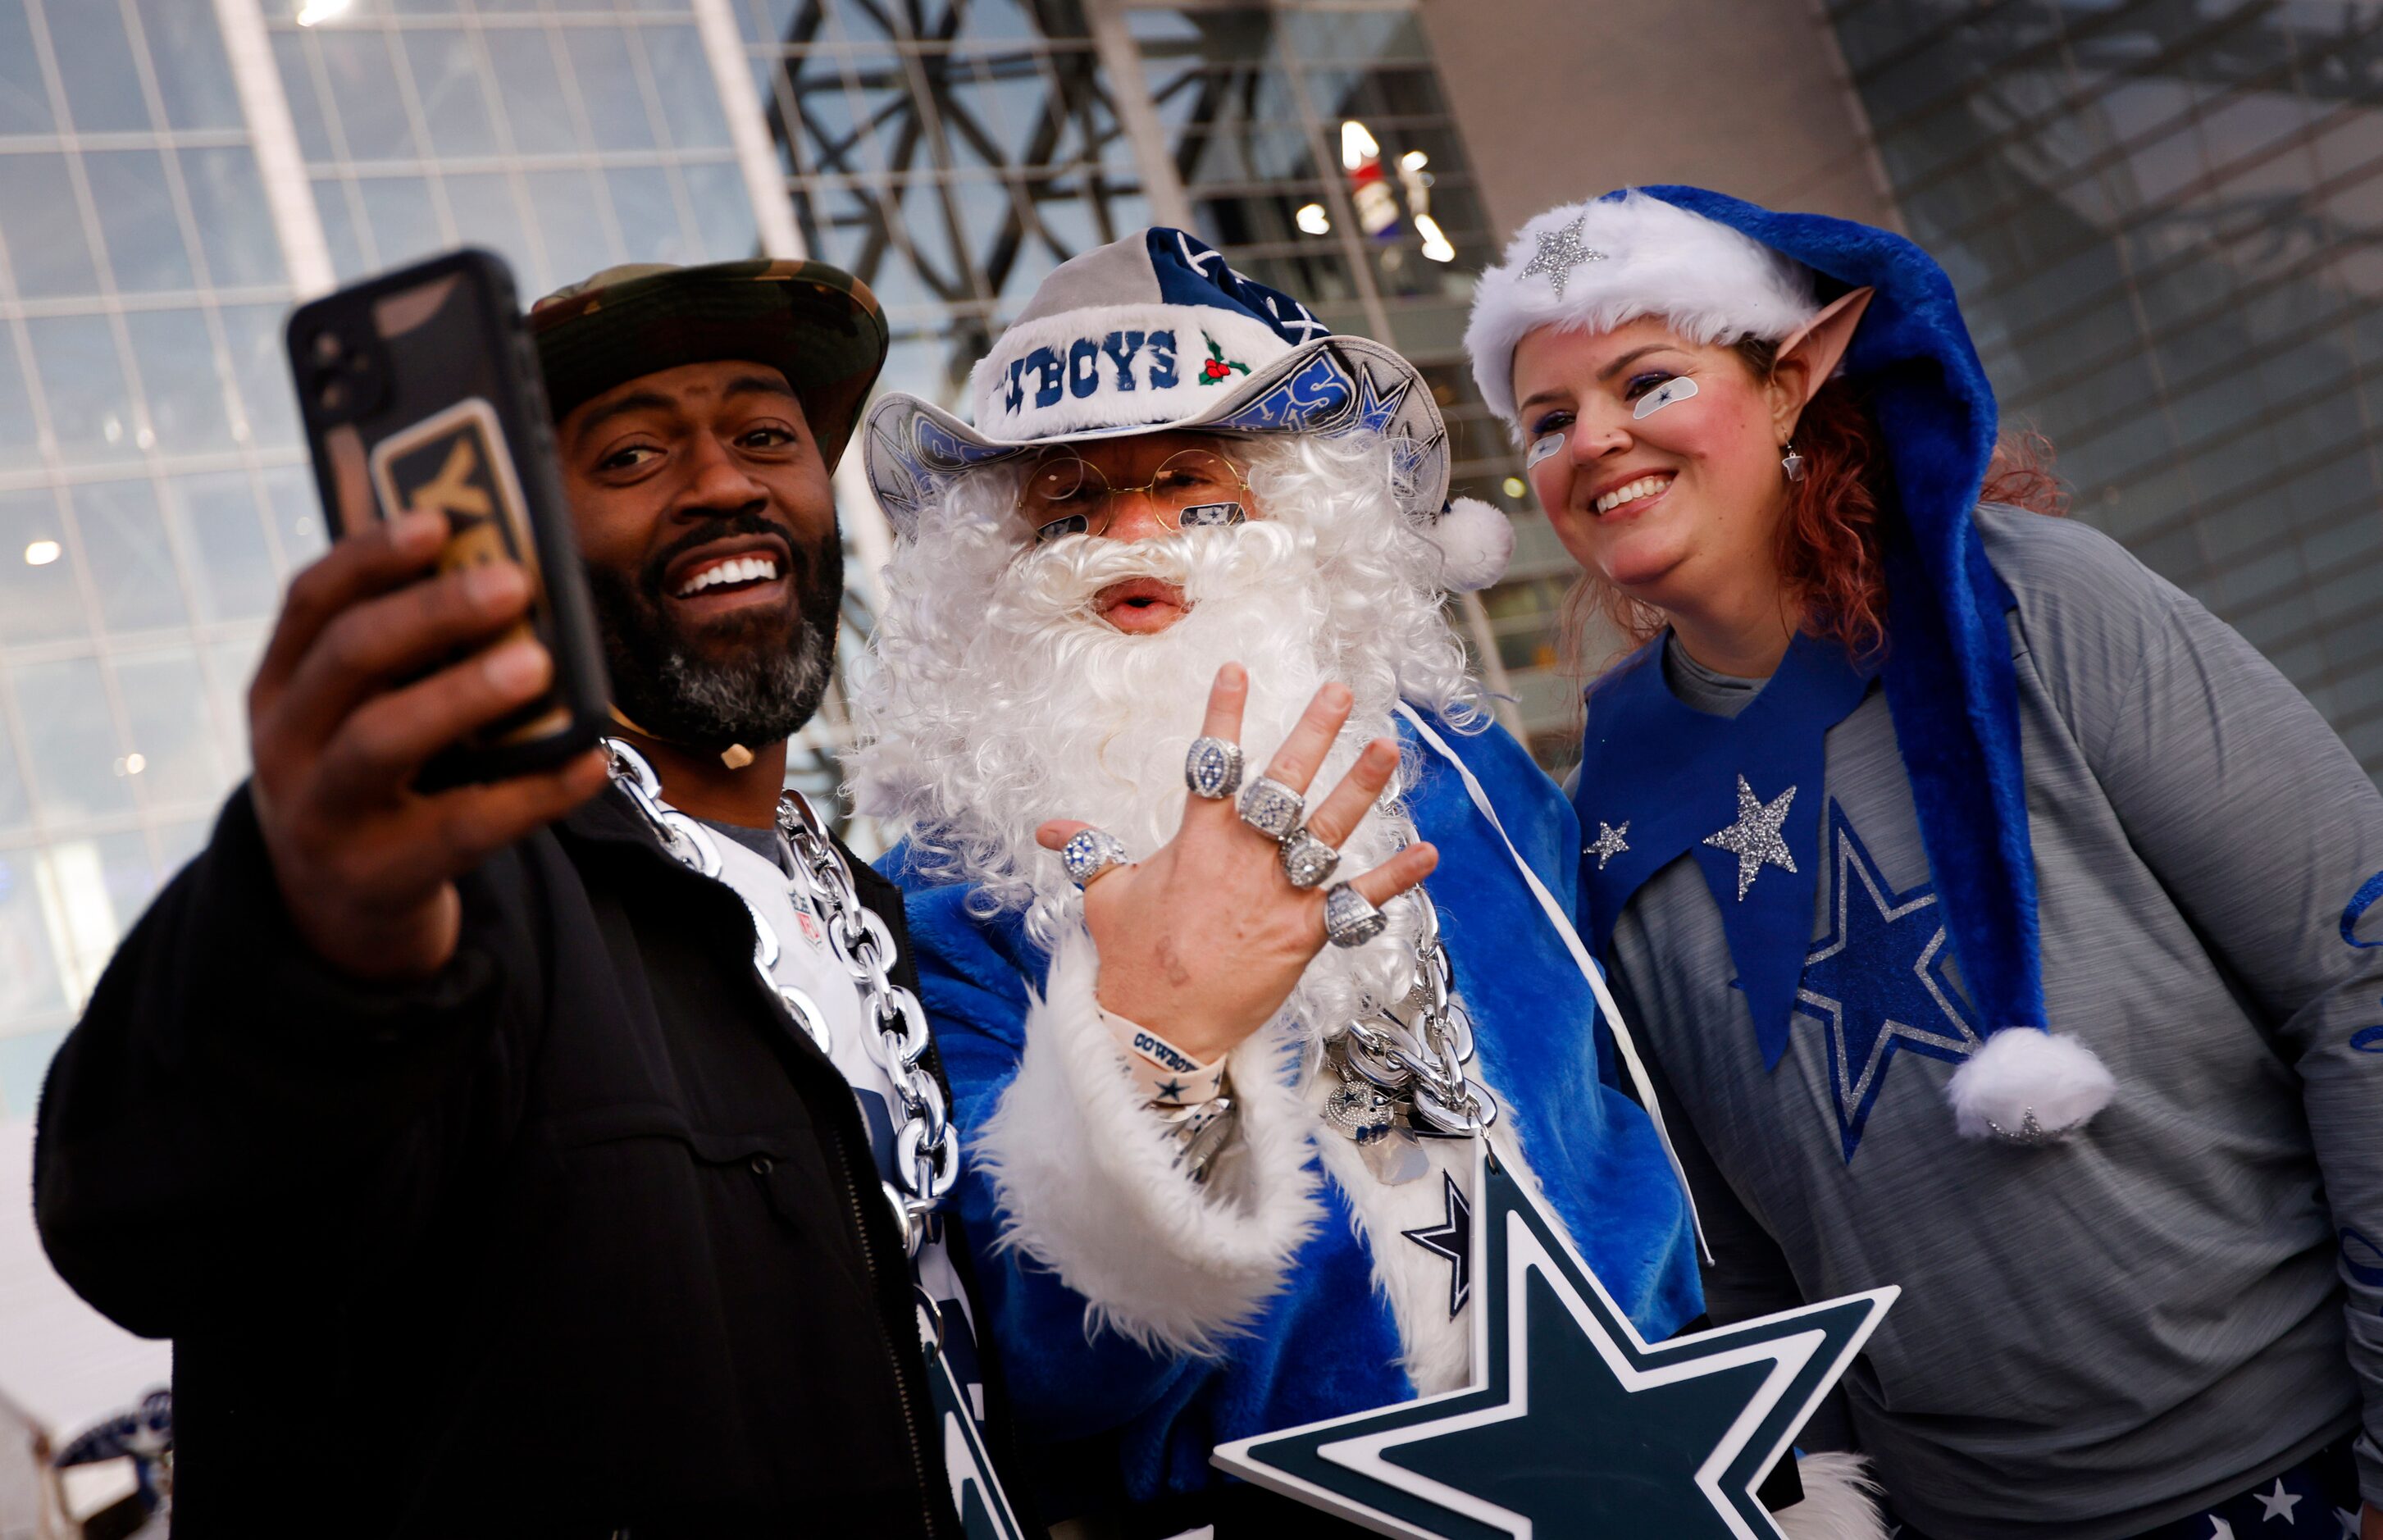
{"x": 1561, "y": 250}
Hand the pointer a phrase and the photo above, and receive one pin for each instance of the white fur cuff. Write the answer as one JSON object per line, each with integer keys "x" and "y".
{"x": 1088, "y": 1185}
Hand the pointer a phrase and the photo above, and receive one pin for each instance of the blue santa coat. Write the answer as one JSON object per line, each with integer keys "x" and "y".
{"x": 1327, "y": 1343}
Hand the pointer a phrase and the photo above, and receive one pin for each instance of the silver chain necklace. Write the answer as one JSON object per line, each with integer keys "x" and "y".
{"x": 926, "y": 1154}
{"x": 1402, "y": 1067}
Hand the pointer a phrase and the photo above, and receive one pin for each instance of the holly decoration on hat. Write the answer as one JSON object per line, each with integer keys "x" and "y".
{"x": 1218, "y": 366}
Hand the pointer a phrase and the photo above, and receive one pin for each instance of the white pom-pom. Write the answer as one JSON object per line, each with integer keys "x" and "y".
{"x": 1836, "y": 1503}
{"x": 1475, "y": 542}
{"x": 2028, "y": 1086}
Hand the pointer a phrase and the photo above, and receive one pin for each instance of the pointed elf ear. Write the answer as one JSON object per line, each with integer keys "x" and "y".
{"x": 1824, "y": 340}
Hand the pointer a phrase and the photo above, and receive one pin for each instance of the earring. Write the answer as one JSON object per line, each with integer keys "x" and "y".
{"x": 1793, "y": 464}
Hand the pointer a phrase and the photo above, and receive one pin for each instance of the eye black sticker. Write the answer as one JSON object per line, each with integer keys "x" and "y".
{"x": 1679, "y": 388}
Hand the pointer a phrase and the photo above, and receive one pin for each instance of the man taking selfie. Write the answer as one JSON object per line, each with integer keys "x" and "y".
{"x": 558, "y": 1155}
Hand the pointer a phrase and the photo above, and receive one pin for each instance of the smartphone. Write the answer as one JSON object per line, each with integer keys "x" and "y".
{"x": 421, "y": 389}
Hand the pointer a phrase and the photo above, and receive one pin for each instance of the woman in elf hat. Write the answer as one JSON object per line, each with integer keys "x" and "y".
{"x": 1226, "y": 1126}
{"x": 1992, "y": 910}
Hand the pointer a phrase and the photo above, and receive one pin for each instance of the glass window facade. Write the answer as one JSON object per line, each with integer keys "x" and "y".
{"x": 144, "y": 427}
{"x": 567, "y": 135}
{"x": 950, "y": 153}
{"x": 154, "y": 494}
{"x": 2159, "y": 218}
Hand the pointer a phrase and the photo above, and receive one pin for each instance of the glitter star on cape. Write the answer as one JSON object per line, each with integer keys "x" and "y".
{"x": 1754, "y": 838}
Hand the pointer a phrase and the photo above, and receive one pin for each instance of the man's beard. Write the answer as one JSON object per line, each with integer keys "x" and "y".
{"x": 756, "y": 674}
{"x": 1055, "y": 713}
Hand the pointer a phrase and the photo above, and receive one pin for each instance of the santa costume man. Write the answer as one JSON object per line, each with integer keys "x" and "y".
{"x": 1187, "y": 565}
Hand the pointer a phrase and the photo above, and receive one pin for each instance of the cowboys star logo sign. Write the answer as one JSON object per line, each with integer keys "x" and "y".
{"x": 1578, "y": 1426}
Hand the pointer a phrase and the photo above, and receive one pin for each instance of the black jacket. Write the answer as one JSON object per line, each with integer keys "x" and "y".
{"x": 579, "y": 1236}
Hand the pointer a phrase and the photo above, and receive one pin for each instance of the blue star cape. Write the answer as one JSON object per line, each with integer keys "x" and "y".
{"x": 1667, "y": 777}
{"x": 1327, "y": 1343}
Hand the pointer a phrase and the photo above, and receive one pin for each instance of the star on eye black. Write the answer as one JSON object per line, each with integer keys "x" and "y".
{"x": 1452, "y": 1239}
{"x": 1575, "y": 1423}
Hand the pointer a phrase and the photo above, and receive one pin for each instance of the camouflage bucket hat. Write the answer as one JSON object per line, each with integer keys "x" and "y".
{"x": 818, "y": 325}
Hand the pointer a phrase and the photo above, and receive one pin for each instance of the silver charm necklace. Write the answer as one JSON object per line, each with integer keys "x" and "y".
{"x": 926, "y": 1157}
{"x": 1402, "y": 1066}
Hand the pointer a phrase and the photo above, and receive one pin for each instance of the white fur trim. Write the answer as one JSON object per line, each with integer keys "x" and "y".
{"x": 1438, "y": 1351}
{"x": 1088, "y": 1186}
{"x": 2024, "y": 1069}
{"x": 1837, "y": 1501}
{"x": 1435, "y": 1352}
{"x": 1067, "y": 352}
{"x": 1475, "y": 541}
{"x": 1709, "y": 282}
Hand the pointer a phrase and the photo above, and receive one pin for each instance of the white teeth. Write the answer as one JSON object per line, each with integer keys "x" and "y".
{"x": 738, "y": 569}
{"x": 1644, "y": 486}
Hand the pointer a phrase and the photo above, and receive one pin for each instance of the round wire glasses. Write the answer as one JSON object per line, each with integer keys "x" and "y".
{"x": 1066, "y": 494}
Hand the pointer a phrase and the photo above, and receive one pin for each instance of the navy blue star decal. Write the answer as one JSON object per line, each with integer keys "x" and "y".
{"x": 1879, "y": 981}
{"x": 1452, "y": 1239}
{"x": 1376, "y": 411}
{"x": 1575, "y": 1424}
{"x": 976, "y": 1490}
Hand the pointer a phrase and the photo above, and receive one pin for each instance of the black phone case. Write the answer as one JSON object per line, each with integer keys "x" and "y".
{"x": 424, "y": 384}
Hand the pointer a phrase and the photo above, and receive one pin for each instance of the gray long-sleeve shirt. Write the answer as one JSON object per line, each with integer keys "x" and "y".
{"x": 2111, "y": 1333}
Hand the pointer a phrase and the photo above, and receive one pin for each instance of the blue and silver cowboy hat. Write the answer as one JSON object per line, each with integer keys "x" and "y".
{"x": 1155, "y": 332}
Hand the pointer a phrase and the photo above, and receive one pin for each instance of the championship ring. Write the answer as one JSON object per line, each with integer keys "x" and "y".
{"x": 1213, "y": 769}
{"x": 1272, "y": 808}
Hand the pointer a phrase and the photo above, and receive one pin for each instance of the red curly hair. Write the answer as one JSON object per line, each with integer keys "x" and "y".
{"x": 1828, "y": 539}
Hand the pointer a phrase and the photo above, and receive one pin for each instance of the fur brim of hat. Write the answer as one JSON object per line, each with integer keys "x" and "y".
{"x": 1709, "y": 282}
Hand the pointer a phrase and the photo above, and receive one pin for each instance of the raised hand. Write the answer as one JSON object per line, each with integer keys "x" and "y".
{"x": 1204, "y": 940}
{"x": 365, "y": 864}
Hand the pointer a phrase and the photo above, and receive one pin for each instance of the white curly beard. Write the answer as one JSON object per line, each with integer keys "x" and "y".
{"x": 1000, "y": 699}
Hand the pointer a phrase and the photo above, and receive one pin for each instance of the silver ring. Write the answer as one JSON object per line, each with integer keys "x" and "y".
{"x": 1089, "y": 853}
{"x": 1350, "y": 919}
{"x": 1272, "y": 808}
{"x": 1306, "y": 860}
{"x": 1213, "y": 769}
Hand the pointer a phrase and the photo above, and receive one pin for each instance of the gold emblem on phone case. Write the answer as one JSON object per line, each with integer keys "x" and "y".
{"x": 455, "y": 462}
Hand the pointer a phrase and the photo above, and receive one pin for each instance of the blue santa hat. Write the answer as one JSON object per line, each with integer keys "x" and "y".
{"x": 1717, "y": 268}
{"x": 1157, "y": 331}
